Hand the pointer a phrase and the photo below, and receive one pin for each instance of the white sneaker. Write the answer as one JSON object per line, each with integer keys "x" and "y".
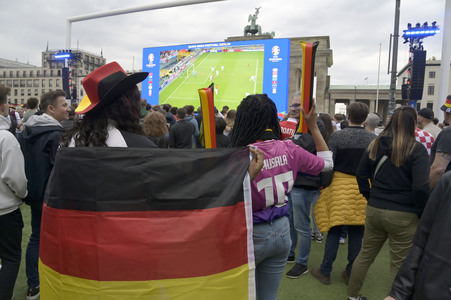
{"x": 319, "y": 237}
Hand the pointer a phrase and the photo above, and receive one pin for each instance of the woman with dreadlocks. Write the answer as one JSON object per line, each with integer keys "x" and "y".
{"x": 257, "y": 125}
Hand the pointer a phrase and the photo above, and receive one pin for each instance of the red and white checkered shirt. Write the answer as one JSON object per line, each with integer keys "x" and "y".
{"x": 425, "y": 138}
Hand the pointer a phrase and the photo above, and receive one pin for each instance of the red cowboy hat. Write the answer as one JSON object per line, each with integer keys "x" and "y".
{"x": 106, "y": 84}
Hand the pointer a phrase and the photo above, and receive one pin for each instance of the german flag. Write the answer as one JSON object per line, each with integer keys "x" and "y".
{"x": 128, "y": 223}
{"x": 208, "y": 126}
{"x": 308, "y": 75}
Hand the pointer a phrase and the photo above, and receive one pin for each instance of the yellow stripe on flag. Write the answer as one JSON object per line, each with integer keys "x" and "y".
{"x": 232, "y": 284}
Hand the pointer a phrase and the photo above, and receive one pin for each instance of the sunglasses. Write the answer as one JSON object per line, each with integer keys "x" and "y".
{"x": 295, "y": 105}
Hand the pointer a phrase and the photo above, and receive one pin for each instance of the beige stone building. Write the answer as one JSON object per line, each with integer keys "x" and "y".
{"x": 323, "y": 61}
{"x": 27, "y": 80}
{"x": 367, "y": 94}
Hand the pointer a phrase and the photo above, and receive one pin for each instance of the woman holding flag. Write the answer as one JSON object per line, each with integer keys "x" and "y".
{"x": 257, "y": 125}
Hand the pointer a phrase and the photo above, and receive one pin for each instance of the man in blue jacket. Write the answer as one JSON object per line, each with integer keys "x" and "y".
{"x": 302, "y": 198}
{"x": 39, "y": 141}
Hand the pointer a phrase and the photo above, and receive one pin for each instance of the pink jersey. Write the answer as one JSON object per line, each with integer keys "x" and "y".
{"x": 282, "y": 161}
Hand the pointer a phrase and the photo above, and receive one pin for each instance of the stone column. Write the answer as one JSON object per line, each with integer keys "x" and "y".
{"x": 372, "y": 106}
{"x": 332, "y": 107}
{"x": 321, "y": 81}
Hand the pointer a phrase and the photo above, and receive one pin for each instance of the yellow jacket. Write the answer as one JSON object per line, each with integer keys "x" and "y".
{"x": 340, "y": 203}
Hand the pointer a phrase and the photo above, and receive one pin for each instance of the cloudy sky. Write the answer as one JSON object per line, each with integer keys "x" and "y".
{"x": 356, "y": 28}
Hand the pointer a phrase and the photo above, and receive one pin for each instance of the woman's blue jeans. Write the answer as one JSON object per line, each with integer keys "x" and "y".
{"x": 272, "y": 243}
{"x": 301, "y": 201}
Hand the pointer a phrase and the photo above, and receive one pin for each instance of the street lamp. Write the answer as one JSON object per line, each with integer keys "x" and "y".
{"x": 412, "y": 90}
{"x": 68, "y": 58}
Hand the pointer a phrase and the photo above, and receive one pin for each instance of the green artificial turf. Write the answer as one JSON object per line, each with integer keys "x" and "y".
{"x": 233, "y": 82}
{"x": 20, "y": 290}
{"x": 308, "y": 287}
{"x": 304, "y": 288}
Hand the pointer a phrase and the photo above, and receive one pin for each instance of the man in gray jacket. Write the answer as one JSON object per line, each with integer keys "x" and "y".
{"x": 13, "y": 187}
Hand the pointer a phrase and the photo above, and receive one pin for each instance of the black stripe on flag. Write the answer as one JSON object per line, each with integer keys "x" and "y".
{"x": 133, "y": 179}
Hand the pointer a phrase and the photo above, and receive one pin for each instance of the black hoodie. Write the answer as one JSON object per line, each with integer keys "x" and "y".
{"x": 404, "y": 188}
{"x": 39, "y": 142}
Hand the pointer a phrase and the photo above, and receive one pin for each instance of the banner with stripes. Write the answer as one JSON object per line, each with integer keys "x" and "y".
{"x": 308, "y": 75}
{"x": 208, "y": 127}
{"x": 128, "y": 223}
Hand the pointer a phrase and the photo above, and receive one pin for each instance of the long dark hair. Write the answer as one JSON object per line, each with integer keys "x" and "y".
{"x": 92, "y": 130}
{"x": 328, "y": 122}
{"x": 255, "y": 114}
{"x": 401, "y": 128}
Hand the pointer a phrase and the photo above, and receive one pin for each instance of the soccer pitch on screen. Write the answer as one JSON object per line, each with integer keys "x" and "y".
{"x": 234, "y": 74}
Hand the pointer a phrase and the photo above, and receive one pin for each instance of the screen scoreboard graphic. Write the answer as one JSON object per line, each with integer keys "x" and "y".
{"x": 237, "y": 69}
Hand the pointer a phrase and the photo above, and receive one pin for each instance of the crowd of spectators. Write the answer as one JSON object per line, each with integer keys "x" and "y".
{"x": 349, "y": 173}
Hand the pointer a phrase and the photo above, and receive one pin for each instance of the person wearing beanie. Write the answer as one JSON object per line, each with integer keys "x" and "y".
{"x": 425, "y": 118}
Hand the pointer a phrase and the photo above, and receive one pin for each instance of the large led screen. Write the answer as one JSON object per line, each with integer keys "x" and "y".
{"x": 236, "y": 69}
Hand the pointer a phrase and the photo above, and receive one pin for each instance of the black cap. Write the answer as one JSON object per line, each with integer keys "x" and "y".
{"x": 426, "y": 113}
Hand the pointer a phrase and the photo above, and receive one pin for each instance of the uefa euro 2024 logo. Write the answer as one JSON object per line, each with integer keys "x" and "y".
{"x": 275, "y": 55}
{"x": 151, "y": 57}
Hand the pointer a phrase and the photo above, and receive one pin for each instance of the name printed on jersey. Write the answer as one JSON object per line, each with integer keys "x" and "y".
{"x": 274, "y": 162}
{"x": 287, "y": 131}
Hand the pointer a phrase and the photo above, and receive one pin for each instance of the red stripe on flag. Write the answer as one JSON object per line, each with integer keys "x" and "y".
{"x": 138, "y": 246}
{"x": 306, "y": 81}
{"x": 211, "y": 113}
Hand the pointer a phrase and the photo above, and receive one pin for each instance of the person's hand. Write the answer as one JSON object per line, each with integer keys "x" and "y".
{"x": 256, "y": 163}
{"x": 389, "y": 298}
{"x": 311, "y": 117}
